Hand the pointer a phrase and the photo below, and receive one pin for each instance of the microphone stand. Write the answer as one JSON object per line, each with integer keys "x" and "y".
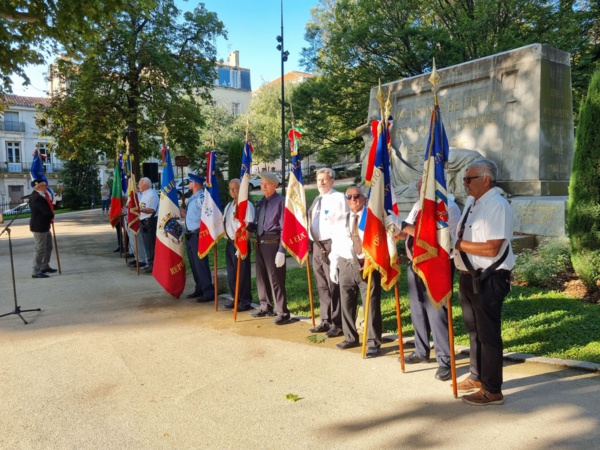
{"x": 17, "y": 309}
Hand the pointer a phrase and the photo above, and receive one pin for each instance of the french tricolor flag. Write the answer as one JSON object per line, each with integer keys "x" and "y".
{"x": 169, "y": 267}
{"x": 294, "y": 236}
{"x": 241, "y": 237}
{"x": 211, "y": 221}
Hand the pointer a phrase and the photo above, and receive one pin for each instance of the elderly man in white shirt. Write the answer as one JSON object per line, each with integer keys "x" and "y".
{"x": 347, "y": 261}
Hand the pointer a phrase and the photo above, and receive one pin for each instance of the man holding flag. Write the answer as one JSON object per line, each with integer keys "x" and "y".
{"x": 204, "y": 290}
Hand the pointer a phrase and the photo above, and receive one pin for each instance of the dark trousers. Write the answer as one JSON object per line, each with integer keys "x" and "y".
{"x": 482, "y": 314}
{"x": 200, "y": 267}
{"x": 270, "y": 280}
{"x": 148, "y": 227}
{"x": 245, "y": 293}
{"x": 351, "y": 283}
{"x": 426, "y": 320}
{"x": 329, "y": 292}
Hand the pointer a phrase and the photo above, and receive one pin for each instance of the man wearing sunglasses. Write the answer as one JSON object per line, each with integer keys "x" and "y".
{"x": 325, "y": 210}
{"x": 484, "y": 258}
{"x": 426, "y": 318}
{"x": 347, "y": 261}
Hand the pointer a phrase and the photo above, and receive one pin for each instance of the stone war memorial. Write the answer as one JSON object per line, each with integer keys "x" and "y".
{"x": 514, "y": 108}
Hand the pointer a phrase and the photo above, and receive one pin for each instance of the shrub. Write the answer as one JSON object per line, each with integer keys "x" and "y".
{"x": 537, "y": 267}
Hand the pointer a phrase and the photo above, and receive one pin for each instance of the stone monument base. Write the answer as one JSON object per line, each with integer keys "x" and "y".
{"x": 540, "y": 216}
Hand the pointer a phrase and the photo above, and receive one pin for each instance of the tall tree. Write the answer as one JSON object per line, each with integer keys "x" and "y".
{"x": 355, "y": 43}
{"x": 150, "y": 70}
{"x": 583, "y": 218}
{"x": 30, "y": 27}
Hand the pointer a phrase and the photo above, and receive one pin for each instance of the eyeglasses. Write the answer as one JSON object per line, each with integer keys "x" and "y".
{"x": 467, "y": 180}
{"x": 353, "y": 196}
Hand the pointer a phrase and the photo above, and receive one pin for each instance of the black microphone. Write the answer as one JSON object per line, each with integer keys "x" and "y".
{"x": 27, "y": 197}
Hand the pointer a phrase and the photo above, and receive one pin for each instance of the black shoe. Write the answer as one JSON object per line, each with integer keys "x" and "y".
{"x": 229, "y": 305}
{"x": 280, "y": 320}
{"x": 321, "y": 328}
{"x": 116, "y": 250}
{"x": 129, "y": 255}
{"x": 242, "y": 308}
{"x": 372, "y": 352}
{"x": 347, "y": 344}
{"x": 194, "y": 294}
{"x": 334, "y": 332}
{"x": 443, "y": 374}
{"x": 148, "y": 269}
{"x": 413, "y": 358}
{"x": 134, "y": 265}
{"x": 261, "y": 313}
{"x": 49, "y": 270}
{"x": 205, "y": 299}
{"x": 40, "y": 275}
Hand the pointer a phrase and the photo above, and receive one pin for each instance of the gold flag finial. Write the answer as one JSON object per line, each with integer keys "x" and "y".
{"x": 434, "y": 79}
{"x": 388, "y": 104}
{"x": 166, "y": 135}
{"x": 380, "y": 96}
{"x": 212, "y": 141}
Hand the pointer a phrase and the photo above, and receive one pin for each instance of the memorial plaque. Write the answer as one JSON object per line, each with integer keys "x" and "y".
{"x": 182, "y": 161}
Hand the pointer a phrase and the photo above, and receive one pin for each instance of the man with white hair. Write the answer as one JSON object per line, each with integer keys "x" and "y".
{"x": 325, "y": 210}
{"x": 148, "y": 219}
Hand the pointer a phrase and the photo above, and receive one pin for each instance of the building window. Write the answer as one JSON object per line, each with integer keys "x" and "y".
{"x": 44, "y": 152}
{"x": 13, "y": 152}
{"x": 236, "y": 109}
{"x": 11, "y": 121}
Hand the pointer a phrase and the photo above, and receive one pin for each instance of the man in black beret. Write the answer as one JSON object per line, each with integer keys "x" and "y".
{"x": 39, "y": 224}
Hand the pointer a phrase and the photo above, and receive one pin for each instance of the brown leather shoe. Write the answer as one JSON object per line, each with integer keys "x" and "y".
{"x": 468, "y": 384}
{"x": 484, "y": 398}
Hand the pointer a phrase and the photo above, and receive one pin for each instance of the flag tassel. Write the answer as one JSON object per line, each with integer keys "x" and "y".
{"x": 399, "y": 322}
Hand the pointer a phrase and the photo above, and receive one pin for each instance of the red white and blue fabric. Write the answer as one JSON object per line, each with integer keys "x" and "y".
{"x": 169, "y": 266}
{"x": 212, "y": 227}
{"x": 241, "y": 237}
{"x": 379, "y": 246}
{"x": 37, "y": 171}
{"x": 294, "y": 235}
{"x": 431, "y": 254}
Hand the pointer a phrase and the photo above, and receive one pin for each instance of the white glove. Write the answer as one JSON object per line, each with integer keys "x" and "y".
{"x": 333, "y": 274}
{"x": 279, "y": 259}
{"x": 393, "y": 222}
{"x": 237, "y": 253}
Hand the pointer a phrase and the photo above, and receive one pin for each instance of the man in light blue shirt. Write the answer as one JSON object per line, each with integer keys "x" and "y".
{"x": 204, "y": 290}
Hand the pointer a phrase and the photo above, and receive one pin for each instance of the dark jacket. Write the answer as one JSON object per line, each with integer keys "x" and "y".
{"x": 41, "y": 214}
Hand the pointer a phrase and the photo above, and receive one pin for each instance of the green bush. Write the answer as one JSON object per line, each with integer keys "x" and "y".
{"x": 583, "y": 217}
{"x": 537, "y": 267}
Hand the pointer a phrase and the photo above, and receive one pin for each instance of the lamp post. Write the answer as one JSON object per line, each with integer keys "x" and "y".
{"x": 284, "y": 57}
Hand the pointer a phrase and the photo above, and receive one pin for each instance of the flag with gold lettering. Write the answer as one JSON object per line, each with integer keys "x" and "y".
{"x": 169, "y": 267}
{"x": 294, "y": 235}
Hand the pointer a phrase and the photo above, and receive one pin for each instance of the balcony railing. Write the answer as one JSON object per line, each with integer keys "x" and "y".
{"x": 12, "y": 126}
{"x": 7, "y": 167}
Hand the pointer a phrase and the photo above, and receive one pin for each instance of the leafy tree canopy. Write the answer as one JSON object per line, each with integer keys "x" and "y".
{"x": 150, "y": 70}
{"x": 355, "y": 43}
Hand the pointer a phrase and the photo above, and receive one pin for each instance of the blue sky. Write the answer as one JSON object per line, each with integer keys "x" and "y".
{"x": 252, "y": 27}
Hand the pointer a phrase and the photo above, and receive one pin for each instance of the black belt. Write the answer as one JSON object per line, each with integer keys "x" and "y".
{"x": 326, "y": 241}
{"x": 480, "y": 271}
{"x": 191, "y": 233}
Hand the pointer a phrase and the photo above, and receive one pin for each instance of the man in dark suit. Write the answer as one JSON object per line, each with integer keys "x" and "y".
{"x": 270, "y": 254}
{"x": 39, "y": 224}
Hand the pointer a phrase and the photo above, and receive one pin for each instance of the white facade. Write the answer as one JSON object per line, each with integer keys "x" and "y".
{"x": 19, "y": 137}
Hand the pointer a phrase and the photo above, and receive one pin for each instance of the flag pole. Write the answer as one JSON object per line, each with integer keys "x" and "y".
{"x": 366, "y": 324}
{"x": 56, "y": 249}
{"x": 237, "y": 286}
{"x": 310, "y": 294}
{"x": 399, "y": 323}
{"x": 137, "y": 257}
{"x": 216, "y": 279}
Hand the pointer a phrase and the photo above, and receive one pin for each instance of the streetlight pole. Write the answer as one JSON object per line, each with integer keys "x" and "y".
{"x": 284, "y": 57}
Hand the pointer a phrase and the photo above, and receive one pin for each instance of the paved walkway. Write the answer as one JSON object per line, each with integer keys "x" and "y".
{"x": 113, "y": 362}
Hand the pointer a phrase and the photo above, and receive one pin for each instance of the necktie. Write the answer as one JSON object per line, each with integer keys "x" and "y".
{"x": 261, "y": 219}
{"x": 356, "y": 243}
